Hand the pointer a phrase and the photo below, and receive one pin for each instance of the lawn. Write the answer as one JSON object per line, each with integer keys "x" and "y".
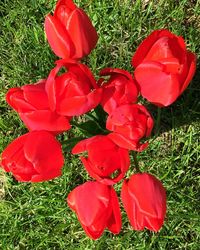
{"x": 36, "y": 216}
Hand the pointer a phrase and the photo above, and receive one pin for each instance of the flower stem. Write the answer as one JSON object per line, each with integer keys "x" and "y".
{"x": 136, "y": 162}
{"x": 157, "y": 128}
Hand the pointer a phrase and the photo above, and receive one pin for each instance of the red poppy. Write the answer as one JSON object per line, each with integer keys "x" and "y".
{"x": 164, "y": 67}
{"x": 97, "y": 208}
{"x": 144, "y": 199}
{"x": 74, "y": 92}
{"x": 35, "y": 157}
{"x": 31, "y": 102}
{"x": 130, "y": 123}
{"x": 69, "y": 31}
{"x": 119, "y": 89}
{"x": 105, "y": 159}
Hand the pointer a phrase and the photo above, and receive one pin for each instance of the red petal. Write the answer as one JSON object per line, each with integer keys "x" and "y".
{"x": 80, "y": 146}
{"x": 150, "y": 124}
{"x": 115, "y": 222}
{"x": 58, "y": 37}
{"x": 126, "y": 143}
{"x": 15, "y": 99}
{"x": 13, "y": 160}
{"x": 146, "y": 45}
{"x": 45, "y": 120}
{"x": 89, "y": 200}
{"x": 50, "y": 86}
{"x": 153, "y": 224}
{"x": 8, "y": 155}
{"x": 124, "y": 114}
{"x": 128, "y": 203}
{"x": 90, "y": 169}
{"x": 135, "y": 217}
{"x": 104, "y": 180}
{"x": 79, "y": 105}
{"x": 125, "y": 160}
{"x": 83, "y": 73}
{"x": 45, "y": 153}
{"x": 68, "y": 86}
{"x": 54, "y": 173}
{"x": 98, "y": 154}
{"x": 63, "y": 10}
{"x": 191, "y": 61}
{"x": 108, "y": 103}
{"x": 35, "y": 95}
{"x": 68, "y": 3}
{"x": 72, "y": 106}
{"x": 82, "y": 33}
{"x": 167, "y": 47}
{"x": 83, "y": 145}
{"x": 149, "y": 194}
{"x": 157, "y": 86}
{"x": 120, "y": 89}
{"x": 91, "y": 233}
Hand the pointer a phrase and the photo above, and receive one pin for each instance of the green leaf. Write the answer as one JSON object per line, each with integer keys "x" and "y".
{"x": 101, "y": 115}
{"x": 70, "y": 143}
{"x": 91, "y": 128}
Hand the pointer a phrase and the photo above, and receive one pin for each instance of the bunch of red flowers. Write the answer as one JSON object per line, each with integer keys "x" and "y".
{"x": 163, "y": 70}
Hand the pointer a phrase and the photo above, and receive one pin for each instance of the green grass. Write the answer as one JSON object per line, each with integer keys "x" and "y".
{"x": 35, "y": 216}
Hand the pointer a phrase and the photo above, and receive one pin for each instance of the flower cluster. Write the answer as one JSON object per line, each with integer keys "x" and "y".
{"x": 163, "y": 70}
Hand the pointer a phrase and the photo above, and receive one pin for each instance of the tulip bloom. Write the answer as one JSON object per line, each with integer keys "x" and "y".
{"x": 104, "y": 159}
{"x": 164, "y": 67}
{"x": 31, "y": 102}
{"x": 69, "y": 31}
{"x": 130, "y": 123}
{"x": 97, "y": 208}
{"x": 74, "y": 92}
{"x": 33, "y": 157}
{"x": 144, "y": 199}
{"x": 119, "y": 89}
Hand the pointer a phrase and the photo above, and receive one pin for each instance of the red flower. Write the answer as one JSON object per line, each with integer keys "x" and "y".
{"x": 35, "y": 156}
{"x": 104, "y": 159}
{"x": 144, "y": 200}
{"x": 69, "y": 31}
{"x": 130, "y": 123}
{"x": 31, "y": 102}
{"x": 97, "y": 208}
{"x": 74, "y": 92}
{"x": 119, "y": 89}
{"x": 164, "y": 67}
